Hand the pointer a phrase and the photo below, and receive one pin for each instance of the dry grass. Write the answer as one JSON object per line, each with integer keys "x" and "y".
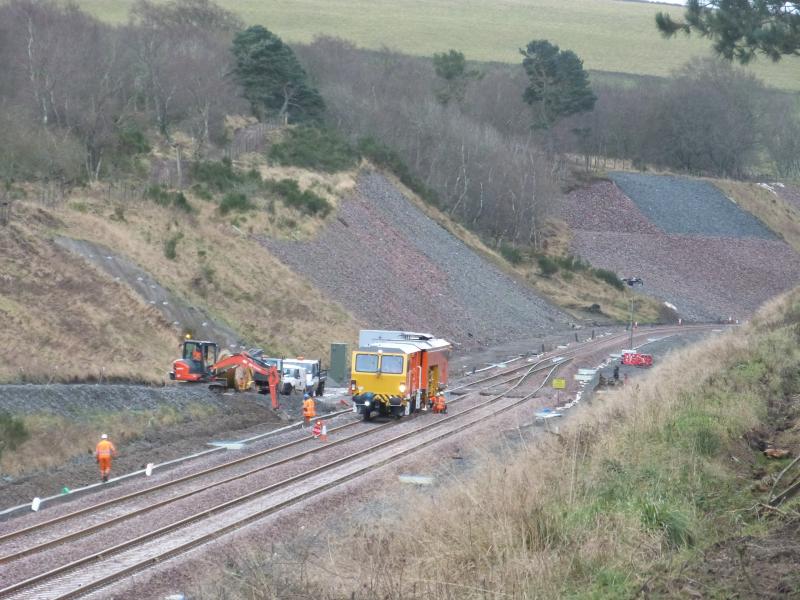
{"x": 64, "y": 319}
{"x": 67, "y": 320}
{"x": 65, "y": 438}
{"x": 630, "y": 489}
{"x": 250, "y": 290}
{"x": 776, "y": 213}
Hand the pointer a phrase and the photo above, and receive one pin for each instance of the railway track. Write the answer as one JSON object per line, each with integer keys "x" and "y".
{"x": 39, "y": 586}
{"x": 99, "y": 569}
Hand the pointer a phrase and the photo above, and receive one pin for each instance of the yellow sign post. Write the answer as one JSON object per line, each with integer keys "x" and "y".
{"x": 559, "y": 384}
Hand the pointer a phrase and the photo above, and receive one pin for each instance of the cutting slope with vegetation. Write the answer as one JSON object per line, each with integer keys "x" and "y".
{"x": 661, "y": 489}
{"x": 610, "y": 35}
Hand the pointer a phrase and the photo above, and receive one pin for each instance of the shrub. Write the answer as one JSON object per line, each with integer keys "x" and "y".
{"x": 12, "y": 432}
{"x": 166, "y": 198}
{"x": 315, "y": 148}
{"x": 571, "y": 263}
{"x": 202, "y": 191}
{"x": 511, "y": 253}
{"x": 385, "y": 157}
{"x": 609, "y": 277}
{"x": 305, "y": 201}
{"x": 132, "y": 140}
{"x": 171, "y": 246}
{"x": 216, "y": 176}
{"x": 547, "y": 266}
{"x": 235, "y": 201}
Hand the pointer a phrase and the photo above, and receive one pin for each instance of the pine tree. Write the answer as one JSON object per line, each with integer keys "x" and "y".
{"x": 272, "y": 79}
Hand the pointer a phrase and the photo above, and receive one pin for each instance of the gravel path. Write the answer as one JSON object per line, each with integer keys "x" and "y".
{"x": 382, "y": 251}
{"x": 680, "y": 205}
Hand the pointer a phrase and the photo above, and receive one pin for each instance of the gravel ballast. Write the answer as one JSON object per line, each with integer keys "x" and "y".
{"x": 680, "y": 205}
{"x": 396, "y": 268}
{"x": 718, "y": 265}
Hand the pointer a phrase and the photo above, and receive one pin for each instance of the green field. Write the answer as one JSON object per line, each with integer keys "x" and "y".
{"x": 610, "y": 35}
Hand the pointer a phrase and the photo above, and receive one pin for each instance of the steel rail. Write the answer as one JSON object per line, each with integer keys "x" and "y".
{"x": 138, "y": 512}
{"x": 90, "y": 509}
{"x": 112, "y": 501}
{"x": 580, "y": 346}
{"x": 36, "y": 526}
{"x": 224, "y": 506}
{"x": 39, "y": 579}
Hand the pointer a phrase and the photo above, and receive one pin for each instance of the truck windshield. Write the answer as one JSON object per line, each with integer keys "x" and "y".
{"x": 392, "y": 364}
{"x": 366, "y": 363}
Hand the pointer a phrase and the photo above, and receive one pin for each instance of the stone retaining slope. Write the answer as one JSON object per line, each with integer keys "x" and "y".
{"x": 395, "y": 268}
{"x": 684, "y": 206}
{"x": 692, "y": 246}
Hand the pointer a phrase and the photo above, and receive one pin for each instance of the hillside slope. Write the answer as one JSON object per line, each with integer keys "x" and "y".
{"x": 392, "y": 265}
{"x": 609, "y": 35}
{"x": 89, "y": 291}
{"x": 692, "y": 246}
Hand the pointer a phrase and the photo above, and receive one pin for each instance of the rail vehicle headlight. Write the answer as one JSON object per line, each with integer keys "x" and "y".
{"x": 402, "y": 388}
{"x": 366, "y": 402}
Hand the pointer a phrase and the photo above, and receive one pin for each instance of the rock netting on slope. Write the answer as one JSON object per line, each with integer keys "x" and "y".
{"x": 707, "y": 277}
{"x": 684, "y": 206}
{"x": 395, "y": 268}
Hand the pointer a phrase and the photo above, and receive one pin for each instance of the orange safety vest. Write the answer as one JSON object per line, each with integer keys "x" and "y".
{"x": 105, "y": 449}
{"x": 309, "y": 410}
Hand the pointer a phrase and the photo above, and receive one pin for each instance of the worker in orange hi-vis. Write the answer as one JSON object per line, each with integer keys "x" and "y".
{"x": 439, "y": 404}
{"x": 309, "y": 408}
{"x": 104, "y": 451}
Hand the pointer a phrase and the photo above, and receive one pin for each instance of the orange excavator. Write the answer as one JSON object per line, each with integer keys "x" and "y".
{"x": 201, "y": 361}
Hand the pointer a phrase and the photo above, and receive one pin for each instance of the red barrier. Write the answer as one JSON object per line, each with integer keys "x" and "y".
{"x": 637, "y": 359}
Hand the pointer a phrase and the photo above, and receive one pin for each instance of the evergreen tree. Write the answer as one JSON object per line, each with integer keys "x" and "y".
{"x": 558, "y": 86}
{"x": 451, "y": 68}
{"x": 272, "y": 79}
{"x": 741, "y": 28}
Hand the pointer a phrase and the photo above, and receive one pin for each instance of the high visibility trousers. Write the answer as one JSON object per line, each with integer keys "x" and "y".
{"x": 105, "y": 465}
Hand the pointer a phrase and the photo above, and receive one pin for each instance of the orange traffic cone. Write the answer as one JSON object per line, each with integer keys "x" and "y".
{"x": 317, "y": 430}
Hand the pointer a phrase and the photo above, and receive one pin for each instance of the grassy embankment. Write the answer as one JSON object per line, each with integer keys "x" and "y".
{"x": 609, "y": 35}
{"x": 659, "y": 489}
{"x": 66, "y": 320}
{"x": 65, "y": 438}
{"x": 777, "y": 214}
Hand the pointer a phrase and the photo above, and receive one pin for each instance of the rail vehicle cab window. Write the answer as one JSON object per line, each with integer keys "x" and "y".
{"x": 367, "y": 363}
{"x": 392, "y": 364}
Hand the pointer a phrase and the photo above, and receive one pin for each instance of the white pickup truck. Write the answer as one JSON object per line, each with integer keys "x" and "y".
{"x": 299, "y": 374}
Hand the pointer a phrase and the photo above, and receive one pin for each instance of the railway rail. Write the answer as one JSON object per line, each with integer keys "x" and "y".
{"x": 38, "y": 585}
{"x": 99, "y": 569}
